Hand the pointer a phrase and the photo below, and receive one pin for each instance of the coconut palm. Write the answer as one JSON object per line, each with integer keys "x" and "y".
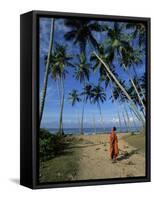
{"x": 82, "y": 73}
{"x": 119, "y": 46}
{"x": 134, "y": 95}
{"x": 138, "y": 32}
{"x": 58, "y": 69}
{"x": 121, "y": 98}
{"x": 95, "y": 94}
{"x": 74, "y": 97}
{"x": 131, "y": 58}
{"x": 81, "y": 32}
{"x": 133, "y": 119}
{"x": 98, "y": 96}
{"x": 116, "y": 81}
{"x": 97, "y": 65}
{"x": 105, "y": 75}
{"x": 82, "y": 69}
{"x": 43, "y": 94}
{"x": 116, "y": 40}
{"x": 142, "y": 83}
{"x": 87, "y": 92}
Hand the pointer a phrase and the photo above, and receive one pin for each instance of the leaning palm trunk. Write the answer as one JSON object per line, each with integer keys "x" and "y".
{"x": 135, "y": 88}
{"x": 133, "y": 118}
{"x": 141, "y": 89}
{"x": 61, "y": 131}
{"x": 122, "y": 88}
{"x": 120, "y": 124}
{"x": 125, "y": 122}
{"x": 135, "y": 114}
{"x": 127, "y": 116}
{"x": 43, "y": 95}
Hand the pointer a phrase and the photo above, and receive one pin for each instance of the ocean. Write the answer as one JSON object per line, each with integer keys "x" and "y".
{"x": 91, "y": 131}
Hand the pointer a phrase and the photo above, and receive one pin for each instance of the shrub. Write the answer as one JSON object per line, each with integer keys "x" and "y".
{"x": 50, "y": 145}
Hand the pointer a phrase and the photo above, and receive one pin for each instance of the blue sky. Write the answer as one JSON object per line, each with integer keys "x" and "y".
{"x": 71, "y": 114}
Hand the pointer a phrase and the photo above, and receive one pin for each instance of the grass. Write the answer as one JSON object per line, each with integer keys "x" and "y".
{"x": 60, "y": 164}
{"x": 63, "y": 167}
{"x": 137, "y": 141}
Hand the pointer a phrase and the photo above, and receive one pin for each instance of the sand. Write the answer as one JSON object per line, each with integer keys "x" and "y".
{"x": 95, "y": 163}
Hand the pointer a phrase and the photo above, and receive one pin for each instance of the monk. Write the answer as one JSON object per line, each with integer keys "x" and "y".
{"x": 114, "y": 151}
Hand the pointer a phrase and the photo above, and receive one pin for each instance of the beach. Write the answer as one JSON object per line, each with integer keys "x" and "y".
{"x": 87, "y": 157}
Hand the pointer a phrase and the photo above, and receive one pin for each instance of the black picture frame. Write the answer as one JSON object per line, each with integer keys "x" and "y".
{"x": 29, "y": 100}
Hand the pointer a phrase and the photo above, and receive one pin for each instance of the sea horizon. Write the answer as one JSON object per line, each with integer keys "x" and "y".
{"x": 90, "y": 131}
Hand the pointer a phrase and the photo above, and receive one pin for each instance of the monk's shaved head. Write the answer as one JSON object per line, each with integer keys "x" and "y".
{"x": 114, "y": 128}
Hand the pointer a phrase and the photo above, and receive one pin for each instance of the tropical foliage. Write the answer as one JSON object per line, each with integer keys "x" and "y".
{"x": 105, "y": 48}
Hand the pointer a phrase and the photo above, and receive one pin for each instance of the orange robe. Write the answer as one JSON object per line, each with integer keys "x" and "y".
{"x": 114, "y": 151}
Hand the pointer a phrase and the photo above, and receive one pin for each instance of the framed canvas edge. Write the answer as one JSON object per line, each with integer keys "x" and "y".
{"x": 35, "y": 184}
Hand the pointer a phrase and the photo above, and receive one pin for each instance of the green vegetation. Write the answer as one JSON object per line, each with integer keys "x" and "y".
{"x": 50, "y": 145}
{"x": 137, "y": 141}
{"x": 58, "y": 160}
{"x": 115, "y": 59}
{"x": 122, "y": 47}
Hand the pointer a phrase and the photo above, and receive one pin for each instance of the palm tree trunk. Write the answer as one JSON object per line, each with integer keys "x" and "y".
{"x": 135, "y": 126}
{"x": 94, "y": 124}
{"x": 61, "y": 131}
{"x": 79, "y": 122}
{"x": 59, "y": 93}
{"x": 125, "y": 122}
{"x": 136, "y": 75}
{"x": 122, "y": 88}
{"x": 127, "y": 116}
{"x": 100, "y": 112}
{"x": 43, "y": 95}
{"x": 114, "y": 100}
{"x": 82, "y": 117}
{"x": 120, "y": 125}
{"x": 135, "y": 88}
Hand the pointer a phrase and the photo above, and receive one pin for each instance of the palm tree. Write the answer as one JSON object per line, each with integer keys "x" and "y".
{"x": 104, "y": 75}
{"x": 87, "y": 92}
{"x": 116, "y": 81}
{"x": 82, "y": 72}
{"x": 113, "y": 97}
{"x": 138, "y": 32}
{"x": 43, "y": 94}
{"x": 118, "y": 45}
{"x": 98, "y": 96}
{"x": 133, "y": 119}
{"x": 74, "y": 97}
{"x": 131, "y": 58}
{"x": 134, "y": 95}
{"x": 119, "y": 96}
{"x": 81, "y": 32}
{"x": 142, "y": 83}
{"x": 60, "y": 60}
{"x": 94, "y": 123}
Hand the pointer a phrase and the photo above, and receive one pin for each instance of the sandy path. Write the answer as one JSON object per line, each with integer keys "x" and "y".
{"x": 95, "y": 163}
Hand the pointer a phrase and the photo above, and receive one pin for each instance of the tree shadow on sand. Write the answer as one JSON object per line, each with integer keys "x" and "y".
{"x": 126, "y": 155}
